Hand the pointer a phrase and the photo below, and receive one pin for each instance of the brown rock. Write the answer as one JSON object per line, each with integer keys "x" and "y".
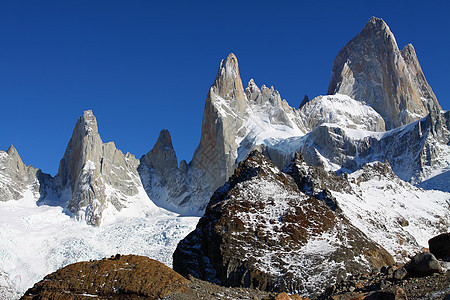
{"x": 259, "y": 213}
{"x": 123, "y": 276}
{"x": 282, "y": 296}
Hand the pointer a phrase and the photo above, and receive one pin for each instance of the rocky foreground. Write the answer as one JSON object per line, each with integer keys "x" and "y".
{"x": 138, "y": 277}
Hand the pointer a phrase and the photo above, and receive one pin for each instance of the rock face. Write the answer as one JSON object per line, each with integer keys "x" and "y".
{"x": 225, "y": 110}
{"x": 181, "y": 189}
{"x": 234, "y": 121}
{"x": 122, "y": 277}
{"x": 371, "y": 68}
{"x": 260, "y": 231}
{"x": 16, "y": 178}
{"x": 95, "y": 175}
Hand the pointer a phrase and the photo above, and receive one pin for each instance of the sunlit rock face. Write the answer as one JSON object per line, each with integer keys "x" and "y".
{"x": 371, "y": 68}
{"x": 94, "y": 175}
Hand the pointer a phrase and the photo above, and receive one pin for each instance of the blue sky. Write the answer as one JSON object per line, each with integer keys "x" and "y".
{"x": 143, "y": 66}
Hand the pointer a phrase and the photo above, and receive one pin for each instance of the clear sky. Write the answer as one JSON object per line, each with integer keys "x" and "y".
{"x": 143, "y": 66}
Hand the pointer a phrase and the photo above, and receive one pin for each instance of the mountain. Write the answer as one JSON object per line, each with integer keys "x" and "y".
{"x": 304, "y": 228}
{"x": 371, "y": 68}
{"x": 234, "y": 120}
{"x": 96, "y": 177}
{"x": 260, "y": 231}
{"x": 16, "y": 179}
{"x": 182, "y": 189}
{"x": 340, "y": 110}
{"x": 345, "y": 200}
{"x": 416, "y": 152}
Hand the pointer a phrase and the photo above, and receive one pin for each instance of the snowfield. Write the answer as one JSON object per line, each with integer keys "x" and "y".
{"x": 38, "y": 240}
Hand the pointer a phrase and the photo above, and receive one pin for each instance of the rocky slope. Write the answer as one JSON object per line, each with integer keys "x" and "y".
{"x": 371, "y": 68}
{"x": 134, "y": 277}
{"x": 399, "y": 216}
{"x": 260, "y": 231}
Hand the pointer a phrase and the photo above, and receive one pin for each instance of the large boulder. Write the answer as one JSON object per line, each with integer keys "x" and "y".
{"x": 423, "y": 264}
{"x": 440, "y": 246}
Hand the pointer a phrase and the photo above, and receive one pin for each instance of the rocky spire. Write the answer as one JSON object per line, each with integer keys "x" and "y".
{"x": 170, "y": 187}
{"x": 228, "y": 83}
{"x": 371, "y": 68}
{"x": 14, "y": 155}
{"x": 162, "y": 158}
{"x": 94, "y": 173}
{"x": 223, "y": 117}
{"x": 17, "y": 178}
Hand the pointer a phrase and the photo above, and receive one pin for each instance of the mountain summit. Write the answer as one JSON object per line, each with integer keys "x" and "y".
{"x": 223, "y": 116}
{"x": 96, "y": 175}
{"x": 371, "y": 68}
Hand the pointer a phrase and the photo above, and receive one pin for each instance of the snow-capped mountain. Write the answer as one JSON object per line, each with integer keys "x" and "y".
{"x": 15, "y": 178}
{"x": 416, "y": 152}
{"x": 133, "y": 204}
{"x": 371, "y": 68}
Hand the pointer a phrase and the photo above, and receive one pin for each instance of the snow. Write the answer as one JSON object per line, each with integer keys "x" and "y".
{"x": 377, "y": 207}
{"x": 341, "y": 110}
{"x": 37, "y": 240}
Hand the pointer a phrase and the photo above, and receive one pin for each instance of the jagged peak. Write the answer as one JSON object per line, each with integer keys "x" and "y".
{"x": 229, "y": 68}
{"x": 162, "y": 157}
{"x": 164, "y": 139}
{"x": 376, "y": 24}
{"x": 409, "y": 52}
{"x": 252, "y": 85}
{"x": 377, "y": 28}
{"x": 12, "y": 152}
{"x": 87, "y": 122}
{"x": 228, "y": 83}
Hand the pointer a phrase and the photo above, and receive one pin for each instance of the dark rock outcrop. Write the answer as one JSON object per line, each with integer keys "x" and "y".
{"x": 260, "y": 231}
{"x": 423, "y": 264}
{"x": 440, "y": 246}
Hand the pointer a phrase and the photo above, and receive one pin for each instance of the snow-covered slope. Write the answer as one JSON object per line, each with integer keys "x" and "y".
{"x": 399, "y": 216}
{"x": 416, "y": 152}
{"x": 340, "y": 110}
{"x": 36, "y": 240}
